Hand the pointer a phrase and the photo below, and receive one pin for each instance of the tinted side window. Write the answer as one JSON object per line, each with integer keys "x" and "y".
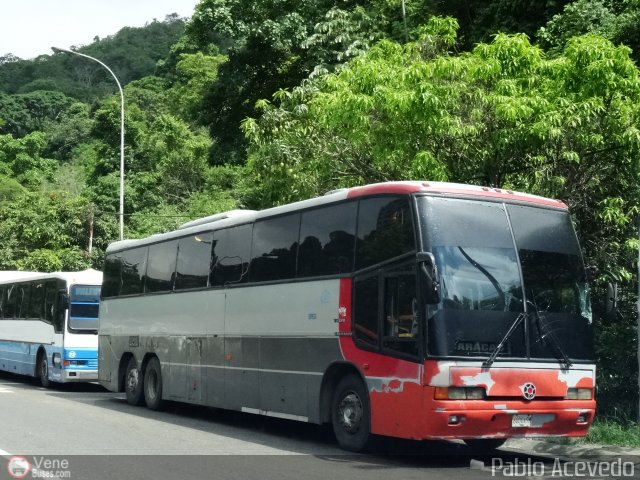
{"x": 193, "y": 261}
{"x": 50, "y": 299}
{"x": 161, "y": 267}
{"x": 111, "y": 278}
{"x": 134, "y": 265}
{"x": 36, "y": 306}
{"x": 366, "y": 308}
{"x": 274, "y": 248}
{"x": 10, "y": 296}
{"x": 327, "y": 239}
{"x": 385, "y": 230}
{"x": 24, "y": 293}
{"x": 230, "y": 256}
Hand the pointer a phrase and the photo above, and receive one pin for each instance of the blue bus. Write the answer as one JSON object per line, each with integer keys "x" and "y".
{"x": 49, "y": 325}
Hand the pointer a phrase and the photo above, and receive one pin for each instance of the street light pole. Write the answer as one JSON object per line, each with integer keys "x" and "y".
{"x": 121, "y": 214}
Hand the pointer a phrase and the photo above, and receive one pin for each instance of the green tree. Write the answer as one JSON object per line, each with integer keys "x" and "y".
{"x": 503, "y": 115}
{"x": 616, "y": 21}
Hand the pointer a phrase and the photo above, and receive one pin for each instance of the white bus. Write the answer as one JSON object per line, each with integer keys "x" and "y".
{"x": 417, "y": 310}
{"x": 49, "y": 325}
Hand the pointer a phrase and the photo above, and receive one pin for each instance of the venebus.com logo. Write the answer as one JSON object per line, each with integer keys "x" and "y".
{"x": 20, "y": 467}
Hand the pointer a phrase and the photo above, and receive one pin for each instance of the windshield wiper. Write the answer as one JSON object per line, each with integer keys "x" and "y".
{"x": 516, "y": 323}
{"x": 486, "y": 273}
{"x": 546, "y": 332}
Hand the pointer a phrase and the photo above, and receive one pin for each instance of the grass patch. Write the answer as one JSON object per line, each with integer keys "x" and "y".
{"x": 609, "y": 432}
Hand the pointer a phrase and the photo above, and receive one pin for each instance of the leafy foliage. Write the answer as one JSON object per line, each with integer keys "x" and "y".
{"x": 290, "y": 99}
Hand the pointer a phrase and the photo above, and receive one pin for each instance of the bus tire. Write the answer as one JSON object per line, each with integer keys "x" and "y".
{"x": 485, "y": 445}
{"x": 350, "y": 414}
{"x": 133, "y": 383}
{"x": 153, "y": 384}
{"x": 43, "y": 369}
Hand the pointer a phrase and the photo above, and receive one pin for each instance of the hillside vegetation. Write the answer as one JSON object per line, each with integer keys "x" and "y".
{"x": 252, "y": 104}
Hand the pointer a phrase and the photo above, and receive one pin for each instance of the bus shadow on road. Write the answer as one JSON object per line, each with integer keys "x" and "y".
{"x": 25, "y": 382}
{"x": 301, "y": 438}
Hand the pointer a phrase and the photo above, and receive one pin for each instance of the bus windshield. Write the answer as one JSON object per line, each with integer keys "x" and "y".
{"x": 84, "y": 304}
{"x": 497, "y": 262}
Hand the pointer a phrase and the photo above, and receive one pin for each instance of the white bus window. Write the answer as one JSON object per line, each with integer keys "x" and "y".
{"x": 36, "y": 305}
{"x": 24, "y": 293}
{"x": 10, "y": 295}
{"x": 50, "y": 300}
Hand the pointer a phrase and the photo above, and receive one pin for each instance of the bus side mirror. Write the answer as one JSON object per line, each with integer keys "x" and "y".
{"x": 63, "y": 299}
{"x": 611, "y": 302}
{"x": 429, "y": 277}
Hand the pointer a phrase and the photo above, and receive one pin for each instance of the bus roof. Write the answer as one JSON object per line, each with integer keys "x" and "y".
{"x": 233, "y": 217}
{"x": 87, "y": 277}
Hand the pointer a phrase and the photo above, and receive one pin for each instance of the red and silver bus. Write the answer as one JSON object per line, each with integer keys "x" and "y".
{"x": 418, "y": 310}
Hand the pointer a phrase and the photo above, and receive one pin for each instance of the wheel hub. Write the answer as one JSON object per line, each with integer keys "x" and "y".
{"x": 132, "y": 380}
{"x": 350, "y": 412}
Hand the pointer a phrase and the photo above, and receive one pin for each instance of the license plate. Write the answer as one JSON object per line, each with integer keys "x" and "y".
{"x": 521, "y": 420}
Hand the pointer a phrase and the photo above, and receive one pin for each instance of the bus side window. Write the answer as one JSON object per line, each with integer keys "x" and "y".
{"x": 401, "y": 314}
{"x": 230, "y": 255}
{"x": 161, "y": 267}
{"x": 112, "y": 276}
{"x": 36, "y": 305}
{"x": 385, "y": 230}
{"x": 50, "y": 300}
{"x": 134, "y": 268}
{"x": 10, "y": 301}
{"x": 62, "y": 303}
{"x": 274, "y": 248}
{"x": 365, "y": 312}
{"x": 194, "y": 252}
{"x": 24, "y": 294}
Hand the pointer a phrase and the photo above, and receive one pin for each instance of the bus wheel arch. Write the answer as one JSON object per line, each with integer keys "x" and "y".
{"x": 345, "y": 404}
{"x": 152, "y": 388}
{"x": 332, "y": 376}
{"x": 42, "y": 367}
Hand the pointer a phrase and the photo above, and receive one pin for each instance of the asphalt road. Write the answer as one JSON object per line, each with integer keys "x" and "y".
{"x": 83, "y": 431}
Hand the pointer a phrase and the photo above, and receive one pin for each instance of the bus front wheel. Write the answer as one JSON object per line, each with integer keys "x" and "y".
{"x": 133, "y": 383}
{"x": 350, "y": 414}
{"x": 43, "y": 370}
{"x": 153, "y": 384}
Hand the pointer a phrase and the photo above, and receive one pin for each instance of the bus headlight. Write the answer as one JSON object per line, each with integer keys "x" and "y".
{"x": 56, "y": 360}
{"x": 579, "y": 394}
{"x": 459, "y": 393}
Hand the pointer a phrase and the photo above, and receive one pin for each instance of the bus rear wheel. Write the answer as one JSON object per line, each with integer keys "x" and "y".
{"x": 153, "y": 384}
{"x": 43, "y": 369}
{"x": 350, "y": 414}
{"x": 133, "y": 383}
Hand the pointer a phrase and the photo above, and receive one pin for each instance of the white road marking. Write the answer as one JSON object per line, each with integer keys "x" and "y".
{"x": 4, "y": 453}
{"x": 5, "y": 390}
